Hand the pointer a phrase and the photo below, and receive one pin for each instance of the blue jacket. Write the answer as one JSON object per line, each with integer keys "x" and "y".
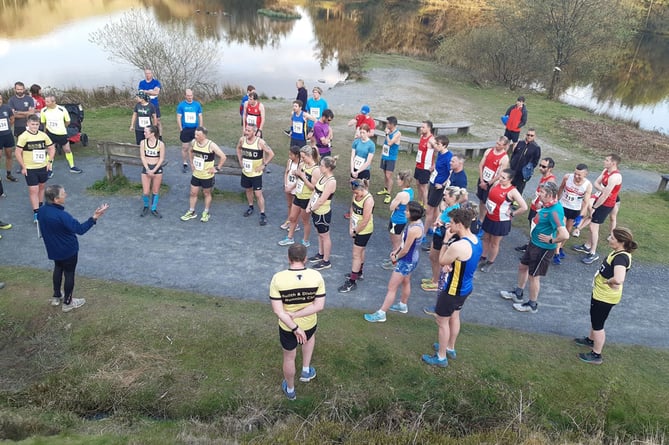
{"x": 59, "y": 231}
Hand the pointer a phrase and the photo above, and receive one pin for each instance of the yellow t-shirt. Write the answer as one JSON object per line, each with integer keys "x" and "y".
{"x": 34, "y": 146}
{"x": 297, "y": 288}
{"x": 55, "y": 120}
{"x": 602, "y": 291}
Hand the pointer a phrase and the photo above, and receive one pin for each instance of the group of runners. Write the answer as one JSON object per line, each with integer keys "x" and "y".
{"x": 460, "y": 236}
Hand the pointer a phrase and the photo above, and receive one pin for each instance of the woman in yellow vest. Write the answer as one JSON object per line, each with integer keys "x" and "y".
{"x": 360, "y": 229}
{"x": 607, "y": 290}
{"x": 320, "y": 207}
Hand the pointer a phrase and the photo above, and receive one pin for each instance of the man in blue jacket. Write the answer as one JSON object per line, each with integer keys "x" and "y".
{"x": 59, "y": 232}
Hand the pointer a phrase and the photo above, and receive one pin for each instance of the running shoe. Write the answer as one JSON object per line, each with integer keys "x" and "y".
{"x": 516, "y": 295}
{"x": 348, "y": 286}
{"x": 286, "y": 241}
{"x": 50, "y": 174}
{"x": 383, "y": 192}
{"x": 522, "y": 248}
{"x": 590, "y": 258}
{"x": 290, "y": 395}
{"x": 322, "y": 265}
{"x": 308, "y": 376}
{"x": 556, "y": 259}
{"x": 5, "y": 226}
{"x": 34, "y": 218}
{"x": 561, "y": 254}
{"x": 248, "y": 212}
{"x": 156, "y": 214}
{"x": 400, "y": 307}
{"x": 285, "y": 226}
{"x": 581, "y": 248}
{"x": 584, "y": 341}
{"x": 145, "y": 211}
{"x": 184, "y": 168}
{"x": 387, "y": 265}
{"x": 316, "y": 258}
{"x": 487, "y": 266}
{"x": 76, "y": 170}
{"x": 429, "y": 287}
{"x": 376, "y": 317}
{"x": 189, "y": 215}
{"x": 528, "y": 306}
{"x": 263, "y": 220}
{"x": 387, "y": 199}
{"x": 11, "y": 178}
{"x": 305, "y": 243}
{"x": 205, "y": 217}
{"x": 55, "y": 301}
{"x": 74, "y": 304}
{"x": 591, "y": 357}
{"x": 434, "y": 360}
{"x": 450, "y": 353}
{"x": 430, "y": 310}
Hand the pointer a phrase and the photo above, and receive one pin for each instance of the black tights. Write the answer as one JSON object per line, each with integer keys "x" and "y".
{"x": 64, "y": 267}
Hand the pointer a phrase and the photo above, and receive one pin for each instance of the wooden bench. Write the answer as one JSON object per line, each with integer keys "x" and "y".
{"x": 469, "y": 149}
{"x": 663, "y": 182}
{"x": 117, "y": 154}
{"x": 461, "y": 128}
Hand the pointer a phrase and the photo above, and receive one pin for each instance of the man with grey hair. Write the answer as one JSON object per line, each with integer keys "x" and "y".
{"x": 59, "y": 232}
{"x": 548, "y": 229}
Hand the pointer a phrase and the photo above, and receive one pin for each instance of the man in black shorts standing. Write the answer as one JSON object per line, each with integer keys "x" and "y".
{"x": 55, "y": 120}
{"x": 297, "y": 294}
{"x": 253, "y": 154}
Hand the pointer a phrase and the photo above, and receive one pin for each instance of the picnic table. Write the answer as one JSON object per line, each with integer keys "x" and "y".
{"x": 461, "y": 128}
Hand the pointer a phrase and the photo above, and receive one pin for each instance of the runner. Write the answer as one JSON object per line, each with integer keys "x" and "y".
{"x": 253, "y": 154}
{"x": 389, "y": 153}
{"x": 398, "y": 217}
{"x": 360, "y": 229}
{"x": 152, "y": 154}
{"x": 320, "y": 207}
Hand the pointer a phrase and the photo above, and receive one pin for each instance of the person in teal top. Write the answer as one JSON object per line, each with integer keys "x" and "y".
{"x": 389, "y": 153}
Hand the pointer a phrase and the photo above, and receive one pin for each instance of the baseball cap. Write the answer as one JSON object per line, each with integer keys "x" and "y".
{"x": 365, "y": 109}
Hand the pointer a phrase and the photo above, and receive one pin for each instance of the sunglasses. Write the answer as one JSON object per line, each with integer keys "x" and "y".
{"x": 543, "y": 166}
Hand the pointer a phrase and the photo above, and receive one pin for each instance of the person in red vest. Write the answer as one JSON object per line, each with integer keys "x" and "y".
{"x": 514, "y": 119}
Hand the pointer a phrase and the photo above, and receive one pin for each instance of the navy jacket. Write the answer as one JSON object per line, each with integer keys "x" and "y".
{"x": 59, "y": 231}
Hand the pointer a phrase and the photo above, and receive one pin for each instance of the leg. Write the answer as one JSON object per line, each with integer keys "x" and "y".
{"x": 292, "y": 219}
{"x": 535, "y": 286}
{"x": 434, "y": 264}
{"x": 394, "y": 282}
{"x": 192, "y": 199}
{"x": 523, "y": 274}
{"x": 599, "y": 338}
{"x": 57, "y": 278}
{"x": 494, "y": 242}
{"x": 185, "y": 149}
{"x": 68, "y": 154}
{"x": 444, "y": 334}
{"x": 8, "y": 159}
{"x": 146, "y": 185}
{"x": 261, "y": 200}
{"x": 594, "y": 236}
{"x": 69, "y": 268}
{"x": 289, "y": 367}
{"x": 249, "y": 196}
{"x": 454, "y": 325}
{"x": 308, "y": 351}
{"x": 406, "y": 289}
{"x": 358, "y": 255}
{"x": 327, "y": 245}
{"x": 306, "y": 225}
{"x": 614, "y": 216}
{"x": 33, "y": 194}
{"x": 388, "y": 180}
{"x": 207, "y": 198}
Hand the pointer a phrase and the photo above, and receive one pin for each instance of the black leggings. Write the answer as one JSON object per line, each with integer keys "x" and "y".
{"x": 64, "y": 267}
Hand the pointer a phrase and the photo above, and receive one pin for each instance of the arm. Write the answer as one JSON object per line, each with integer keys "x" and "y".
{"x": 18, "y": 154}
{"x": 268, "y": 153}
{"x": 329, "y": 189}
{"x": 458, "y": 250}
{"x": 179, "y": 115}
{"x": 161, "y": 157}
{"x": 619, "y": 274}
{"x": 395, "y": 139}
{"x": 586, "y": 200}
{"x": 397, "y": 200}
{"x": 523, "y": 117}
{"x": 613, "y": 181}
{"x": 316, "y": 306}
{"x": 562, "y": 185}
{"x": 142, "y": 155}
{"x": 262, "y": 117}
{"x": 200, "y": 120}
{"x": 522, "y": 205}
{"x": 562, "y": 235}
{"x": 414, "y": 233}
{"x": 51, "y": 150}
{"x": 277, "y": 307}
{"x": 221, "y": 156}
{"x": 239, "y": 150}
{"x": 133, "y": 119}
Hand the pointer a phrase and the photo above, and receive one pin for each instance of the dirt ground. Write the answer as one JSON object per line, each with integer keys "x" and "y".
{"x": 630, "y": 142}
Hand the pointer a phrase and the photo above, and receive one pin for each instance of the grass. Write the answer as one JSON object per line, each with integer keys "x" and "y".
{"x": 207, "y": 370}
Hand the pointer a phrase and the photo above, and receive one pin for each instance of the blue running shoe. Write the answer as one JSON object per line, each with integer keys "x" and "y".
{"x": 434, "y": 360}
{"x": 308, "y": 376}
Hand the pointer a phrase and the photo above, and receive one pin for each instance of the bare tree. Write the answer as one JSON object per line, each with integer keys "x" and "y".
{"x": 178, "y": 56}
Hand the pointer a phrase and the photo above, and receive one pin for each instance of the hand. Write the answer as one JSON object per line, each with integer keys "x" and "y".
{"x": 301, "y": 336}
{"x": 100, "y": 211}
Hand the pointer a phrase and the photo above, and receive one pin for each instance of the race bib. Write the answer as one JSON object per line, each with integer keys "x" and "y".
{"x": 357, "y": 162}
{"x": 313, "y": 199}
{"x": 298, "y": 127}
{"x": 292, "y": 179}
{"x": 490, "y": 206}
{"x": 487, "y": 174}
{"x": 152, "y": 152}
{"x": 39, "y": 156}
{"x": 144, "y": 121}
{"x": 315, "y": 112}
{"x": 299, "y": 186}
{"x": 190, "y": 117}
{"x": 385, "y": 150}
{"x": 52, "y": 124}
{"x": 198, "y": 163}
{"x": 355, "y": 219}
{"x": 247, "y": 165}
{"x": 433, "y": 176}
{"x": 251, "y": 120}
{"x": 4, "y": 125}
{"x": 419, "y": 157}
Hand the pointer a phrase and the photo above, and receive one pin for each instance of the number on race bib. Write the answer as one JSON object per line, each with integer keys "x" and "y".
{"x": 247, "y": 164}
{"x": 299, "y": 186}
{"x": 487, "y": 174}
{"x": 39, "y": 156}
{"x": 386, "y": 150}
{"x": 198, "y": 163}
{"x": 190, "y": 117}
{"x": 357, "y": 162}
{"x": 144, "y": 121}
{"x": 490, "y": 206}
{"x": 433, "y": 176}
{"x": 315, "y": 112}
{"x": 251, "y": 119}
{"x": 298, "y": 127}
{"x": 4, "y": 125}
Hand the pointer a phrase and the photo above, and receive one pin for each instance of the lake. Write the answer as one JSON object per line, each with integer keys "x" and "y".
{"x": 272, "y": 54}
